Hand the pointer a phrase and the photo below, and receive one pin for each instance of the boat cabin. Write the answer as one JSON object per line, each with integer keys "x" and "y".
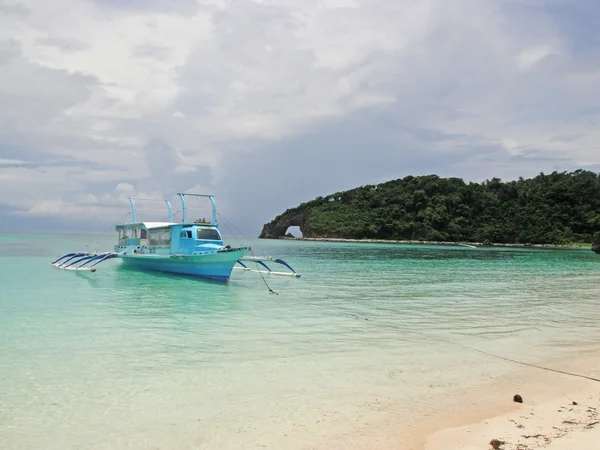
{"x": 164, "y": 238}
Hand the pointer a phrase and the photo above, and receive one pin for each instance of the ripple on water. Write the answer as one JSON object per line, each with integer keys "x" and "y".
{"x": 119, "y": 359}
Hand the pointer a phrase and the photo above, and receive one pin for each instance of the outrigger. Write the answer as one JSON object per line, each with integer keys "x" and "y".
{"x": 185, "y": 248}
{"x": 261, "y": 260}
{"x": 79, "y": 260}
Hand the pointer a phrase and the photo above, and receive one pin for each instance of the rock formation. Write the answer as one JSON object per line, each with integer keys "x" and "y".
{"x": 277, "y": 228}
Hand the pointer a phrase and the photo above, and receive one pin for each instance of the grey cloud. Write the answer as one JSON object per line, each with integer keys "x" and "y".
{"x": 184, "y": 7}
{"x": 29, "y": 90}
{"x": 69, "y": 45}
{"x": 168, "y": 170}
{"x": 63, "y": 161}
{"x": 575, "y": 22}
{"x": 567, "y": 137}
{"x": 577, "y": 19}
{"x": 14, "y": 9}
{"x": 9, "y": 51}
{"x": 35, "y": 130}
{"x": 33, "y": 99}
{"x": 153, "y": 51}
{"x": 161, "y": 158}
{"x": 239, "y": 58}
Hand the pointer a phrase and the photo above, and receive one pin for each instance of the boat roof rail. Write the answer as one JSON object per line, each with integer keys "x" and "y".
{"x": 209, "y": 196}
{"x": 133, "y": 211}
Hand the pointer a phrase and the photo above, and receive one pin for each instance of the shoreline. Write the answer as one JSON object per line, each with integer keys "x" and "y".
{"x": 559, "y": 411}
{"x": 564, "y": 417}
{"x": 449, "y": 243}
{"x": 556, "y": 424}
{"x": 469, "y": 419}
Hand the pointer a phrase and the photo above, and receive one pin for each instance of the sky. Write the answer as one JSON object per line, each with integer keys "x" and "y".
{"x": 270, "y": 103}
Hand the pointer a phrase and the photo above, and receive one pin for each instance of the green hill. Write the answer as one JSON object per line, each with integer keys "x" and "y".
{"x": 557, "y": 208}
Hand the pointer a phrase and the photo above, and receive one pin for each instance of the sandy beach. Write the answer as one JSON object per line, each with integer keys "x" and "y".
{"x": 559, "y": 412}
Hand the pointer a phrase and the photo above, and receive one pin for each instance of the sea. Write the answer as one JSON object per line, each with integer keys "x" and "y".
{"x": 370, "y": 334}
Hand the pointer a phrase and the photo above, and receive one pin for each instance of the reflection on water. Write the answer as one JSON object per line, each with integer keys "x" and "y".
{"x": 147, "y": 293}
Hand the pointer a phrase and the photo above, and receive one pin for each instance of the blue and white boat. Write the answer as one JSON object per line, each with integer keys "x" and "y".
{"x": 185, "y": 248}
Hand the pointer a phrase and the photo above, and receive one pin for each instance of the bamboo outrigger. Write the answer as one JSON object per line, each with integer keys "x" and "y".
{"x": 260, "y": 260}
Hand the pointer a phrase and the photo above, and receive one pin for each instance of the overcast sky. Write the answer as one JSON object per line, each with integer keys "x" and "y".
{"x": 269, "y": 103}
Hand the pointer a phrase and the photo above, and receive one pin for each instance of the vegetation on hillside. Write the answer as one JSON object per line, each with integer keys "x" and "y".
{"x": 596, "y": 242}
{"x": 557, "y": 208}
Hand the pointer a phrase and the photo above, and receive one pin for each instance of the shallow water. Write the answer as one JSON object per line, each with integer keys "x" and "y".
{"x": 129, "y": 360}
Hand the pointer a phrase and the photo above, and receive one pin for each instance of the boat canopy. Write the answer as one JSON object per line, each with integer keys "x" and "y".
{"x": 146, "y": 225}
{"x": 156, "y": 225}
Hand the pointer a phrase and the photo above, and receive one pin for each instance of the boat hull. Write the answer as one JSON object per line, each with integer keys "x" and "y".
{"x": 215, "y": 266}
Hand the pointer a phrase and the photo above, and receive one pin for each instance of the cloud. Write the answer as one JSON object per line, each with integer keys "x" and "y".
{"x": 14, "y": 9}
{"x": 153, "y": 52}
{"x": 68, "y": 45}
{"x": 183, "y": 7}
{"x": 270, "y": 103}
{"x": 529, "y": 57}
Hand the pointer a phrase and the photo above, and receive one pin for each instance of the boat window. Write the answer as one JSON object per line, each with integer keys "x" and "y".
{"x": 143, "y": 234}
{"x": 159, "y": 237}
{"x": 208, "y": 234}
{"x": 186, "y": 234}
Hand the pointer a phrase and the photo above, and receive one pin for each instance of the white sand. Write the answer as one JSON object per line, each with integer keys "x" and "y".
{"x": 548, "y": 420}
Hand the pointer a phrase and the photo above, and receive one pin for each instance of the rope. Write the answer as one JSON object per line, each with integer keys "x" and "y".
{"x": 466, "y": 347}
{"x": 230, "y": 226}
{"x": 109, "y": 228}
{"x": 271, "y": 291}
{"x": 243, "y": 234}
{"x": 230, "y": 231}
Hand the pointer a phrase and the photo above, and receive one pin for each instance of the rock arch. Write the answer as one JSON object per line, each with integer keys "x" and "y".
{"x": 278, "y": 227}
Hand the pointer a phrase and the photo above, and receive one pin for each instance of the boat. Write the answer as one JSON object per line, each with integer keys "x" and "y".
{"x": 184, "y": 248}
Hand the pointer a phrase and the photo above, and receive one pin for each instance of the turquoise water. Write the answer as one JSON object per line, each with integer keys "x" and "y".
{"x": 127, "y": 360}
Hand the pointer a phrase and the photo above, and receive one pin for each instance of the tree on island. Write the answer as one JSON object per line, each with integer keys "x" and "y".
{"x": 558, "y": 208}
{"x": 596, "y": 242}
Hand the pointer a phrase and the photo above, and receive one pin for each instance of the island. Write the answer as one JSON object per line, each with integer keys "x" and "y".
{"x": 560, "y": 208}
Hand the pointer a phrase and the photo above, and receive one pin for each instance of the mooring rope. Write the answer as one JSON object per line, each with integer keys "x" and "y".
{"x": 229, "y": 223}
{"x": 271, "y": 291}
{"x": 109, "y": 228}
{"x": 467, "y": 347}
